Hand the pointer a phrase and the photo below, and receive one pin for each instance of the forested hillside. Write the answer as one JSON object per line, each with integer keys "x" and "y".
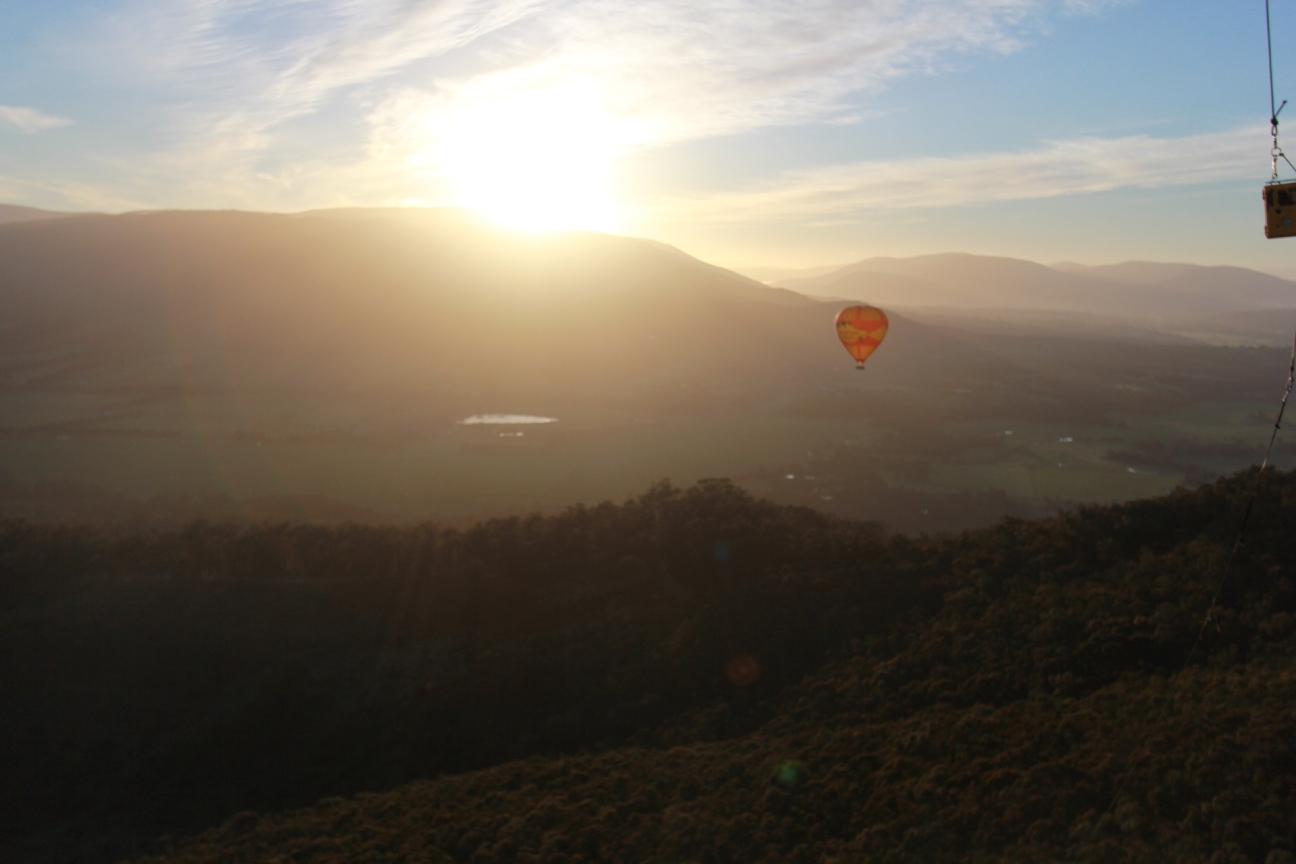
{"x": 694, "y": 675}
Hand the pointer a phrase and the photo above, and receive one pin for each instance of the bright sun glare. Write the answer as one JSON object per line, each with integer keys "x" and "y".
{"x": 536, "y": 161}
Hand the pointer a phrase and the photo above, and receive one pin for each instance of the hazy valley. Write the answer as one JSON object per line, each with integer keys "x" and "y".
{"x": 317, "y": 366}
{"x": 266, "y": 546}
{"x": 582, "y": 432}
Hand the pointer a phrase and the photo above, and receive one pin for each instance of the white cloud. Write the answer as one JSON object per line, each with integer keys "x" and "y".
{"x": 658, "y": 72}
{"x": 677, "y": 70}
{"x": 219, "y": 78}
{"x": 227, "y": 74}
{"x": 709, "y": 68}
{"x": 268, "y": 60}
{"x": 1073, "y": 167}
{"x": 29, "y": 120}
{"x": 669, "y": 70}
{"x": 1093, "y": 7}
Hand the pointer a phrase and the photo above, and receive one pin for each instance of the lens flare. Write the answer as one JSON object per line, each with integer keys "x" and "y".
{"x": 742, "y": 670}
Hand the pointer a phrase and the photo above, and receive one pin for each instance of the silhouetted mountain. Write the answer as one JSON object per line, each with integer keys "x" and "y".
{"x": 426, "y": 300}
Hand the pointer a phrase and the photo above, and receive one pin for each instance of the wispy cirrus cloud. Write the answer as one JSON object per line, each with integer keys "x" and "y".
{"x": 1073, "y": 167}
{"x": 222, "y": 77}
{"x": 660, "y": 72}
{"x": 680, "y": 69}
{"x": 29, "y": 120}
{"x": 224, "y": 80}
{"x": 677, "y": 70}
{"x": 1092, "y": 7}
{"x": 289, "y": 54}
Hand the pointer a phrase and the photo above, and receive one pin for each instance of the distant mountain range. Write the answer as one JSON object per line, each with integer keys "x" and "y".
{"x": 1134, "y": 288}
{"x": 439, "y": 302}
{"x": 433, "y": 300}
{"x": 949, "y": 280}
{"x": 354, "y": 297}
{"x": 14, "y": 213}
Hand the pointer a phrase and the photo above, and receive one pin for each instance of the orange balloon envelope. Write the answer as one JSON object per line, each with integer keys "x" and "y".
{"x": 861, "y": 329}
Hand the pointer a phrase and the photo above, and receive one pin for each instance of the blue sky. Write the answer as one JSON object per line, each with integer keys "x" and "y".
{"x": 760, "y": 133}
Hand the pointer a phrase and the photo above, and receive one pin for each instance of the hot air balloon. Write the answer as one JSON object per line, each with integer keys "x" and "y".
{"x": 861, "y": 329}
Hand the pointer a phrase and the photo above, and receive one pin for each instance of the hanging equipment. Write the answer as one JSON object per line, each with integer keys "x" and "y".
{"x": 1279, "y": 196}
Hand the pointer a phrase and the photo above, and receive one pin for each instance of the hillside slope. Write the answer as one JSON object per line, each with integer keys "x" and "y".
{"x": 1000, "y": 729}
{"x": 1026, "y": 782}
{"x": 793, "y": 687}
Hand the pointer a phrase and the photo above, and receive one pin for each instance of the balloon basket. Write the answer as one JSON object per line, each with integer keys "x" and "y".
{"x": 1280, "y": 210}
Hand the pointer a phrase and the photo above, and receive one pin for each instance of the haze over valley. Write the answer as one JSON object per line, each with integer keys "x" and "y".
{"x": 318, "y": 365}
{"x": 572, "y": 431}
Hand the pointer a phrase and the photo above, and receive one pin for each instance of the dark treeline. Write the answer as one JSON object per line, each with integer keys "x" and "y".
{"x": 161, "y": 681}
{"x": 695, "y": 536}
{"x": 984, "y": 691}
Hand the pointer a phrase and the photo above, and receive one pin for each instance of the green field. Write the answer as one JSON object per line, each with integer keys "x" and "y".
{"x": 386, "y": 460}
{"x": 1016, "y": 425}
{"x": 445, "y": 470}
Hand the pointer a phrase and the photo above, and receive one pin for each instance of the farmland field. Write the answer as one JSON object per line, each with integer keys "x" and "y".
{"x": 393, "y": 459}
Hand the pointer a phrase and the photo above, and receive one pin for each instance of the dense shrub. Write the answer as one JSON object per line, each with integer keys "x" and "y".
{"x": 693, "y": 675}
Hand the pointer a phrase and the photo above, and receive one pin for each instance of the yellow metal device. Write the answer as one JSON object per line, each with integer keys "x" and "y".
{"x": 1280, "y": 209}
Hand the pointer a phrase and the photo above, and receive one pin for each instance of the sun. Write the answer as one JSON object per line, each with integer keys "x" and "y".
{"x": 534, "y": 160}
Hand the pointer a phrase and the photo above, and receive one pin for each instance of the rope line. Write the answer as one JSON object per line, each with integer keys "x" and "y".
{"x": 1274, "y": 150}
{"x": 1273, "y": 112}
{"x": 1219, "y": 590}
{"x": 1275, "y": 153}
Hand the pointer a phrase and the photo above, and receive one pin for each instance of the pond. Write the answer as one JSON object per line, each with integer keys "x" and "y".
{"x": 505, "y": 419}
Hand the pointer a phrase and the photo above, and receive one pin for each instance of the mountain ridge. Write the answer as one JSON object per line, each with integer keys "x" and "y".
{"x": 16, "y": 213}
{"x": 394, "y": 297}
{"x": 1132, "y": 289}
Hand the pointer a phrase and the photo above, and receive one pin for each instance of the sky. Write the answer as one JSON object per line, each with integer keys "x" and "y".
{"x": 760, "y": 135}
